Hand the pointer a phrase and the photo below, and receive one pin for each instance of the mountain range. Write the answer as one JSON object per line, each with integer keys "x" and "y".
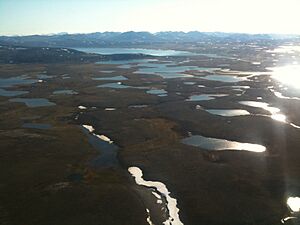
{"x": 105, "y": 39}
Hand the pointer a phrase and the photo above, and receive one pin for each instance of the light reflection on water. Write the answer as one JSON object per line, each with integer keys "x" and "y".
{"x": 117, "y": 85}
{"x": 289, "y": 75}
{"x": 205, "y": 97}
{"x": 279, "y": 117}
{"x": 158, "y": 92}
{"x": 163, "y": 191}
{"x": 154, "y": 52}
{"x": 280, "y": 95}
{"x": 288, "y": 218}
{"x": 289, "y": 49}
{"x": 125, "y": 62}
{"x": 225, "y": 78}
{"x": 275, "y": 115}
{"x": 221, "y": 144}
{"x": 228, "y": 112}
{"x": 294, "y": 203}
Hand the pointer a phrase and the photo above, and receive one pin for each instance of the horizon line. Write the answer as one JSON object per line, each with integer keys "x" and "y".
{"x": 162, "y": 31}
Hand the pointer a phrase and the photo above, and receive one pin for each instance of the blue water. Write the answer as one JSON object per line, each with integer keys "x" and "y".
{"x": 108, "y": 152}
{"x": 153, "y": 52}
{"x": 120, "y": 78}
{"x": 224, "y": 78}
{"x": 189, "y": 83}
{"x": 13, "y": 81}
{"x": 211, "y": 55}
{"x": 158, "y": 92}
{"x": 33, "y": 102}
{"x": 128, "y": 66}
{"x": 228, "y": 112}
{"x": 117, "y": 85}
{"x": 154, "y": 67}
{"x": 201, "y": 97}
{"x": 169, "y": 70}
{"x": 125, "y": 62}
{"x": 42, "y": 126}
{"x": 44, "y": 76}
{"x": 221, "y": 144}
{"x": 6, "y": 93}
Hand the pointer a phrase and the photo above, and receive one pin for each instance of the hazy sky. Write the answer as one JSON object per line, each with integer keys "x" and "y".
{"x": 82, "y": 16}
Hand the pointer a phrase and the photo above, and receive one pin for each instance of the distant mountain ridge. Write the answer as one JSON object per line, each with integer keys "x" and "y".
{"x": 99, "y": 39}
{"x": 15, "y": 55}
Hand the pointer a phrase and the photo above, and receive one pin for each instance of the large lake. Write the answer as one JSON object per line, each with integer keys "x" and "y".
{"x": 154, "y": 52}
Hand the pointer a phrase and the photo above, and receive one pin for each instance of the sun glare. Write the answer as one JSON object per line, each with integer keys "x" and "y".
{"x": 288, "y": 75}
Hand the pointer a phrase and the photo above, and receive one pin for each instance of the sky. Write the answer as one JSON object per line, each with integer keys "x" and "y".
{"x": 25, "y": 17}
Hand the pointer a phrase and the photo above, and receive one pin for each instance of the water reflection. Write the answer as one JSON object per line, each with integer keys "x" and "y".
{"x": 154, "y": 67}
{"x": 288, "y": 75}
{"x": 82, "y": 107}
{"x": 116, "y": 78}
{"x": 201, "y": 97}
{"x": 161, "y": 190}
{"x": 189, "y": 83}
{"x": 221, "y": 144}
{"x": 289, "y": 49}
{"x": 33, "y": 102}
{"x": 169, "y": 70}
{"x": 154, "y": 52}
{"x": 224, "y": 78}
{"x": 228, "y": 112}
{"x": 44, "y": 76}
{"x": 280, "y": 95}
{"x": 8, "y": 93}
{"x": 117, "y": 85}
{"x": 110, "y": 109}
{"x": 127, "y": 61}
{"x": 103, "y": 144}
{"x": 13, "y": 81}
{"x": 205, "y": 97}
{"x": 294, "y": 203}
{"x": 158, "y": 92}
{"x": 279, "y": 117}
{"x": 256, "y": 63}
{"x": 284, "y": 220}
{"x": 263, "y": 105}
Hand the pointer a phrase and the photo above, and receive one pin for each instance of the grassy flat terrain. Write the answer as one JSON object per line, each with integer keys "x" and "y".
{"x": 46, "y": 176}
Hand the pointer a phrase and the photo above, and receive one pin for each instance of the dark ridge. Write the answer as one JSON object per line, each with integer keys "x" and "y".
{"x": 20, "y": 54}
